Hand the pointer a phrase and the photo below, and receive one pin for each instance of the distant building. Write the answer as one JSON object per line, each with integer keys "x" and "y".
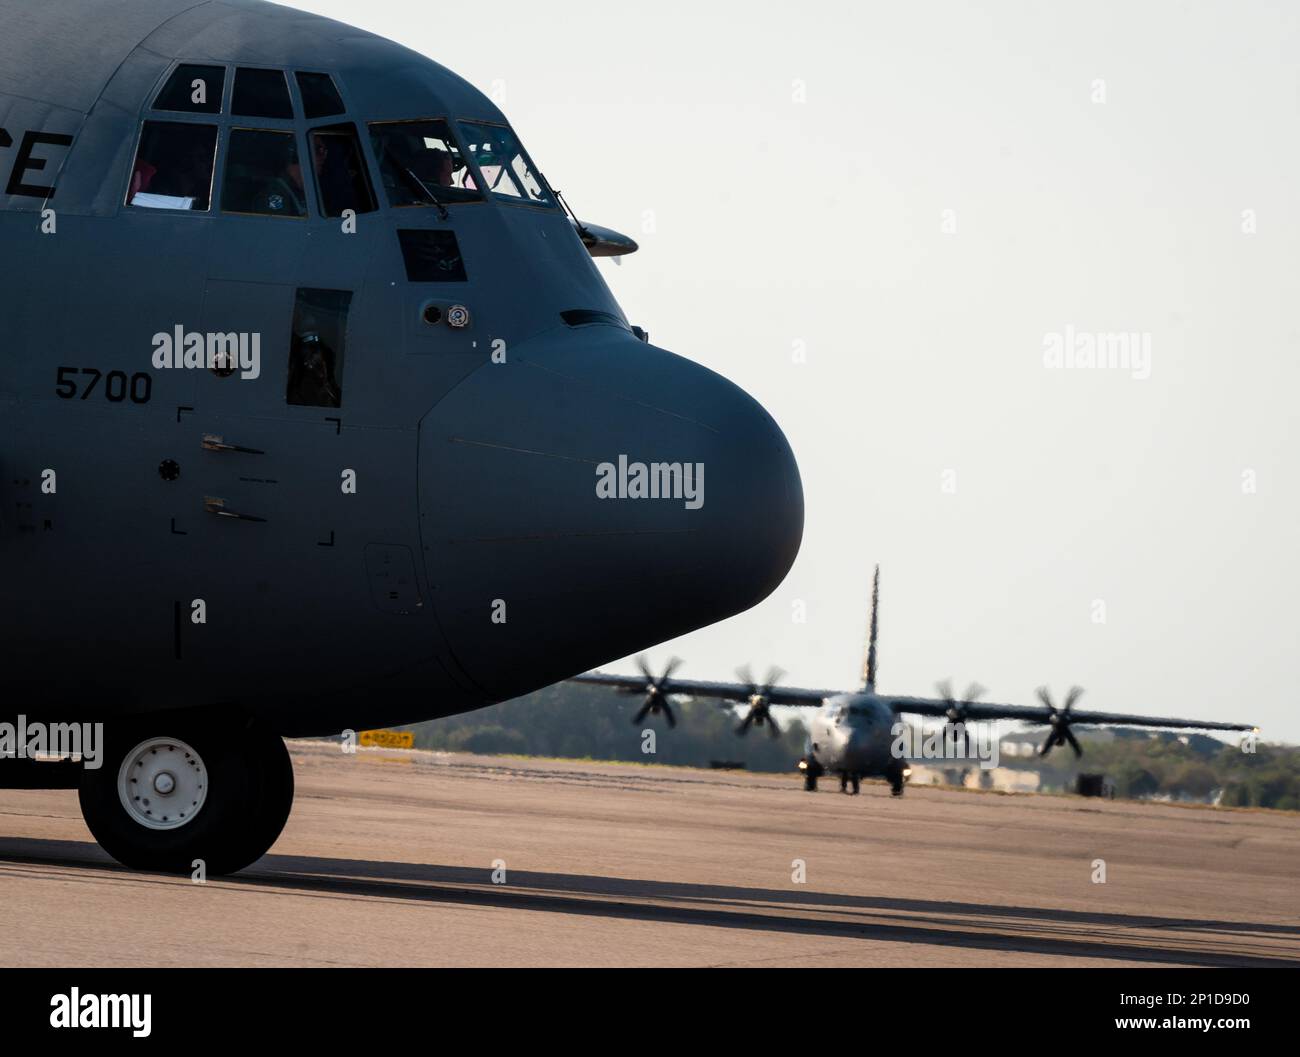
{"x": 1022, "y": 743}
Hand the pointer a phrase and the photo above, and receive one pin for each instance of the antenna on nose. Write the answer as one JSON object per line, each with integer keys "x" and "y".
{"x": 869, "y": 662}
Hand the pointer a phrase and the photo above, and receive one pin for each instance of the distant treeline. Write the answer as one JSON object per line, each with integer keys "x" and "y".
{"x": 1141, "y": 766}
{"x": 588, "y": 722}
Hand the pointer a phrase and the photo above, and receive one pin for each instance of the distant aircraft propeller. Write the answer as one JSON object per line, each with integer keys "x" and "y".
{"x": 959, "y": 710}
{"x": 1060, "y": 721}
{"x": 759, "y": 701}
{"x": 656, "y": 701}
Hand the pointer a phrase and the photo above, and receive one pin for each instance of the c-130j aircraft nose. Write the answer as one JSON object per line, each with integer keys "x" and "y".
{"x": 649, "y": 497}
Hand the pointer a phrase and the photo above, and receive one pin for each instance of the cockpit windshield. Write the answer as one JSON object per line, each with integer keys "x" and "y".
{"x": 506, "y": 169}
{"x": 421, "y": 164}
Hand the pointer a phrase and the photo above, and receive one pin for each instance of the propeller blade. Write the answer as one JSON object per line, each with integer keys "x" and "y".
{"x": 1074, "y": 742}
{"x": 642, "y": 712}
{"x": 746, "y": 723}
{"x": 772, "y": 728}
{"x": 745, "y": 675}
{"x": 672, "y": 666}
{"x": 974, "y": 692}
{"x": 645, "y": 669}
{"x": 1075, "y": 693}
{"x": 1045, "y": 697}
{"x": 668, "y": 714}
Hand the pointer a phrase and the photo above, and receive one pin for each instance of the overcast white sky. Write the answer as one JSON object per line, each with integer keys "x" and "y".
{"x": 797, "y": 161}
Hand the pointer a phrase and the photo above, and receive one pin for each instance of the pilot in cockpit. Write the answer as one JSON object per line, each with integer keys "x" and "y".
{"x": 334, "y": 178}
{"x": 441, "y": 168}
{"x": 285, "y": 194}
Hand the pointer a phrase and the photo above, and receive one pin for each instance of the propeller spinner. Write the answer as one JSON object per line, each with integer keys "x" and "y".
{"x": 759, "y": 701}
{"x": 958, "y": 710}
{"x": 1060, "y": 721}
{"x": 656, "y": 700}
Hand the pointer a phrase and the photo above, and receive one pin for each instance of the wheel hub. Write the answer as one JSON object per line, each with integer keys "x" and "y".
{"x": 162, "y": 784}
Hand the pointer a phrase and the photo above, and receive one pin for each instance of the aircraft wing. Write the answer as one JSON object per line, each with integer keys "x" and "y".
{"x": 777, "y": 695}
{"x": 928, "y": 706}
{"x": 922, "y": 706}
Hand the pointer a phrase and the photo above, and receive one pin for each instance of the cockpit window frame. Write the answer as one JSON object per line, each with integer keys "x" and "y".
{"x": 369, "y": 166}
{"x": 299, "y": 125}
{"x": 551, "y": 206}
{"x": 224, "y": 154}
{"x": 369, "y": 146}
{"x": 286, "y": 76}
{"x": 169, "y": 117}
{"x": 300, "y": 100}
{"x": 223, "y": 102}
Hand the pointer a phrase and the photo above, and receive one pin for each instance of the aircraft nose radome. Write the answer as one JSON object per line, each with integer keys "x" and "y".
{"x": 568, "y": 565}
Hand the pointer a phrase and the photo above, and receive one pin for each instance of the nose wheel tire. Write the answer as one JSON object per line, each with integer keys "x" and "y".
{"x": 174, "y": 791}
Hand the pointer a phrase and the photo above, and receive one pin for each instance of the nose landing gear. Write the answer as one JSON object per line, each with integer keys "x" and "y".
{"x": 811, "y": 770}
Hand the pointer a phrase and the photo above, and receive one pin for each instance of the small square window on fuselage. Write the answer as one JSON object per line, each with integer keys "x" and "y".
{"x": 432, "y": 256}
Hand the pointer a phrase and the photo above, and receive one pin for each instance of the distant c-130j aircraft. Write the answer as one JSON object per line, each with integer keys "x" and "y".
{"x": 853, "y": 733}
{"x": 309, "y": 391}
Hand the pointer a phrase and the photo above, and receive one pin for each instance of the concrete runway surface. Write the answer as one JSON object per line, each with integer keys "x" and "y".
{"x": 388, "y": 859}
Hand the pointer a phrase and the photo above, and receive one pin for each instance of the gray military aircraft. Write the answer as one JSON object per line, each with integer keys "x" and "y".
{"x": 316, "y": 414}
{"x": 852, "y": 733}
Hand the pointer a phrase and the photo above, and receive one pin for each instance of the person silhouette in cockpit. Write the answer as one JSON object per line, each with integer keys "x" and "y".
{"x": 284, "y": 195}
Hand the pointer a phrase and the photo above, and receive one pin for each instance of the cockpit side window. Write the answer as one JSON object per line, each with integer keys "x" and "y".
{"x": 506, "y": 169}
{"x": 342, "y": 179}
{"x": 320, "y": 96}
{"x": 421, "y": 164}
{"x": 173, "y": 167}
{"x": 263, "y": 175}
{"x": 193, "y": 90}
{"x": 261, "y": 93}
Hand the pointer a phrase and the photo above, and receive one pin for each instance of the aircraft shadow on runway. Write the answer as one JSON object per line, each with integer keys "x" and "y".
{"x": 1020, "y": 929}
